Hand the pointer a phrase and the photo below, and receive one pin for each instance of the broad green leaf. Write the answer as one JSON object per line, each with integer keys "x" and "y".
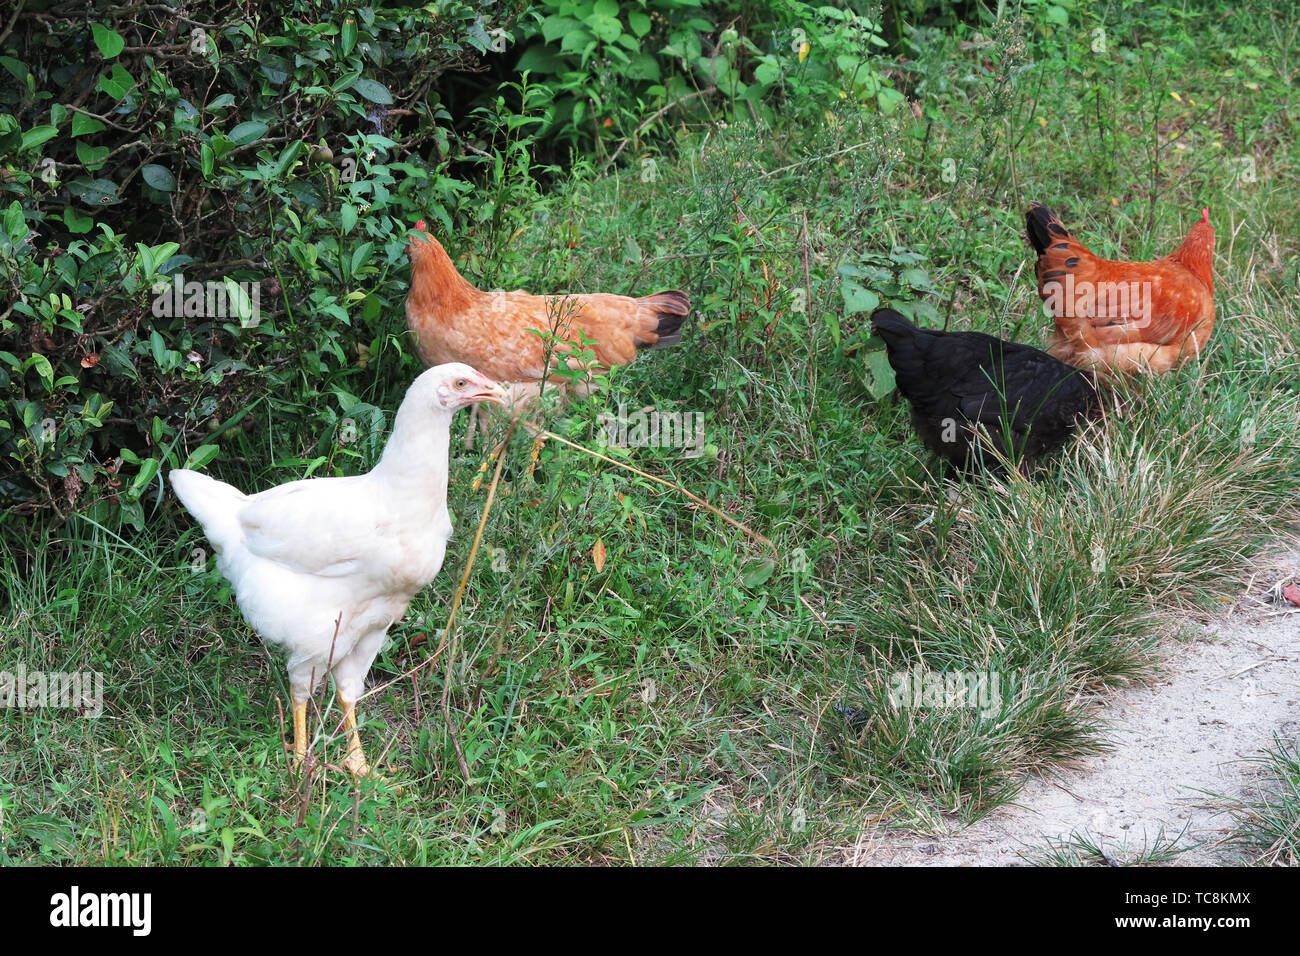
{"x": 201, "y": 456}
{"x": 117, "y": 83}
{"x": 38, "y": 134}
{"x": 757, "y": 572}
{"x": 555, "y": 27}
{"x": 248, "y": 131}
{"x": 374, "y": 91}
{"x": 91, "y": 156}
{"x": 606, "y": 27}
{"x": 159, "y": 177}
{"x": 95, "y": 192}
{"x": 877, "y": 374}
{"x": 110, "y": 42}
{"x": 15, "y": 221}
{"x": 856, "y": 298}
{"x": 76, "y": 222}
{"x": 83, "y": 125}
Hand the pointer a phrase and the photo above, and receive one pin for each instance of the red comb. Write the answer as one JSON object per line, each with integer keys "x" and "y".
{"x": 423, "y": 228}
{"x": 1205, "y": 214}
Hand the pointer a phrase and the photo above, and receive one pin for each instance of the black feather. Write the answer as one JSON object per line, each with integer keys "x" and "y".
{"x": 673, "y": 308}
{"x": 1041, "y": 226}
{"x": 1028, "y": 402}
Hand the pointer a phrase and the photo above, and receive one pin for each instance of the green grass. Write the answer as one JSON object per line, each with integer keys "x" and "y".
{"x": 1084, "y": 849}
{"x": 701, "y": 699}
{"x": 1268, "y": 827}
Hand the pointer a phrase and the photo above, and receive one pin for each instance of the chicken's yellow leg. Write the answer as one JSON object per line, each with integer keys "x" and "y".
{"x": 355, "y": 761}
{"x": 299, "y": 733}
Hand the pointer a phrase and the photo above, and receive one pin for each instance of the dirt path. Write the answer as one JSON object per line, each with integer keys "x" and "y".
{"x": 1217, "y": 700}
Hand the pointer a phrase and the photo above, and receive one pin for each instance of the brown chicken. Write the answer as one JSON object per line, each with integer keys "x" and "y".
{"x": 1124, "y": 317}
{"x": 454, "y": 322}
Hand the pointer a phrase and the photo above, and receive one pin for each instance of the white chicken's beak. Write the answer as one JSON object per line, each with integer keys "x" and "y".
{"x": 495, "y": 393}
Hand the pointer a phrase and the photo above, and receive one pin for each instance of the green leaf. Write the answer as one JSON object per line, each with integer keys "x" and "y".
{"x": 756, "y": 572}
{"x": 159, "y": 177}
{"x": 148, "y": 468}
{"x": 360, "y": 255}
{"x": 606, "y": 27}
{"x": 374, "y": 91}
{"x": 17, "y": 68}
{"x": 767, "y": 72}
{"x": 92, "y": 156}
{"x": 856, "y": 298}
{"x": 555, "y": 27}
{"x": 642, "y": 66}
{"x": 15, "y": 221}
{"x": 889, "y": 100}
{"x": 345, "y": 82}
{"x": 110, "y": 42}
{"x": 540, "y": 59}
{"x": 201, "y": 456}
{"x": 132, "y": 512}
{"x": 95, "y": 192}
{"x": 76, "y": 222}
{"x": 83, "y": 125}
{"x": 348, "y": 37}
{"x": 877, "y": 374}
{"x": 117, "y": 83}
{"x": 639, "y": 22}
{"x": 38, "y": 134}
{"x": 247, "y": 132}
{"x": 43, "y": 368}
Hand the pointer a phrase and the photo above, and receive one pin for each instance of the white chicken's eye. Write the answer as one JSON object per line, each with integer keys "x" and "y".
{"x": 460, "y": 384}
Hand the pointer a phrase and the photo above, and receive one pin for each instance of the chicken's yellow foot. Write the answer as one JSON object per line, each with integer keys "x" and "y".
{"x": 355, "y": 761}
{"x": 299, "y": 733}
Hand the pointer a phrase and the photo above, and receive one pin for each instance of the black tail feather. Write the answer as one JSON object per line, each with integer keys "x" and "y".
{"x": 1043, "y": 228}
{"x": 673, "y": 308}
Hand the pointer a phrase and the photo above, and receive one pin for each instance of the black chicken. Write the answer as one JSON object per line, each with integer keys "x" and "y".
{"x": 1028, "y": 402}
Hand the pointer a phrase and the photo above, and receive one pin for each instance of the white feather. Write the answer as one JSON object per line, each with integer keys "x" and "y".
{"x": 307, "y": 554}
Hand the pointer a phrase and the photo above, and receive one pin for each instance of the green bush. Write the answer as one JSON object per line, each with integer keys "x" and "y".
{"x": 617, "y": 69}
{"x": 270, "y": 162}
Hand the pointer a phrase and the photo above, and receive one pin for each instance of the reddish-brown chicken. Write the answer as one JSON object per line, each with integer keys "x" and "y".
{"x": 497, "y": 332}
{"x": 1124, "y": 317}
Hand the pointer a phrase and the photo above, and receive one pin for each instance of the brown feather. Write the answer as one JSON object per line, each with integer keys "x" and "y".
{"x": 452, "y": 321}
{"x": 1115, "y": 333}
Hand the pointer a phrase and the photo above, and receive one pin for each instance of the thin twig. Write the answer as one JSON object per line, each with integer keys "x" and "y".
{"x": 437, "y": 654}
{"x": 455, "y": 604}
{"x": 551, "y": 436}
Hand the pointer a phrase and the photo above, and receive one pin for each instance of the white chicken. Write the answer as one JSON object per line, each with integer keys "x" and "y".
{"x": 307, "y": 554}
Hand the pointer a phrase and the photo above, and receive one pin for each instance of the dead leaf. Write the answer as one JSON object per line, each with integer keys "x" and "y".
{"x": 598, "y": 555}
{"x": 90, "y": 361}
